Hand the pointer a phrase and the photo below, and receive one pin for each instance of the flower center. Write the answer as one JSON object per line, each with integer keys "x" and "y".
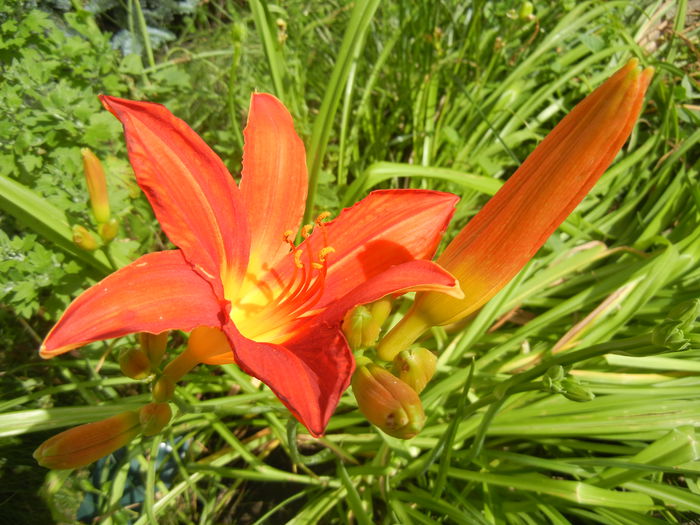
{"x": 268, "y": 310}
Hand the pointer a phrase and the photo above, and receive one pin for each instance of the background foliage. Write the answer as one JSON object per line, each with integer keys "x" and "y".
{"x": 440, "y": 94}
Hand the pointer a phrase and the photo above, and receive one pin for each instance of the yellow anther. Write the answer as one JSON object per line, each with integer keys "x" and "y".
{"x": 306, "y": 230}
{"x": 322, "y": 217}
{"x": 297, "y": 258}
{"x": 288, "y": 236}
{"x": 317, "y": 266}
{"x": 325, "y": 252}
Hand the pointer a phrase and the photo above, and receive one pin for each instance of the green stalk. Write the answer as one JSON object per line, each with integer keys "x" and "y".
{"x": 354, "y": 39}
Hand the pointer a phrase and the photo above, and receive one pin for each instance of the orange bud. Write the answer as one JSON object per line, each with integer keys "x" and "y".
{"x": 84, "y": 239}
{"x": 415, "y": 367}
{"x": 154, "y": 345}
{"x": 82, "y": 445}
{"x": 134, "y": 363}
{"x": 108, "y": 230}
{"x": 154, "y": 417}
{"x": 535, "y": 200}
{"x": 388, "y": 402}
{"x": 163, "y": 389}
{"x": 97, "y": 185}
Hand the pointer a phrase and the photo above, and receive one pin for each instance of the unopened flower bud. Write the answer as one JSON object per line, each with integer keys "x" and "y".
{"x": 108, "y": 230}
{"x": 154, "y": 345}
{"x": 526, "y": 11}
{"x": 575, "y": 391}
{"x": 163, "y": 389}
{"x": 388, "y": 402}
{"x": 134, "y": 363}
{"x": 686, "y": 313}
{"x": 82, "y": 445}
{"x": 415, "y": 367}
{"x": 97, "y": 185}
{"x": 670, "y": 335}
{"x": 84, "y": 239}
{"x": 154, "y": 417}
{"x": 355, "y": 323}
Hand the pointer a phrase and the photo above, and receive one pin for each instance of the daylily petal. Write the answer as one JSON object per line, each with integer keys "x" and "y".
{"x": 157, "y": 292}
{"x": 274, "y": 179}
{"x": 308, "y": 374}
{"x": 192, "y": 193}
{"x": 386, "y": 228}
{"x": 413, "y": 276}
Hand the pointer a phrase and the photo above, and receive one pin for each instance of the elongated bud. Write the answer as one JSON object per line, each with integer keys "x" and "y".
{"x": 154, "y": 345}
{"x": 154, "y": 417}
{"x": 134, "y": 363}
{"x": 82, "y": 445}
{"x": 535, "y": 200}
{"x": 388, "y": 402}
{"x": 97, "y": 185}
{"x": 108, "y": 230}
{"x": 415, "y": 367}
{"x": 84, "y": 239}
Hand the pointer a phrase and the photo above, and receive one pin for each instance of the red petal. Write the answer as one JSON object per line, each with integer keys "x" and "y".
{"x": 412, "y": 276}
{"x": 274, "y": 179}
{"x": 192, "y": 193}
{"x": 157, "y": 292}
{"x": 308, "y": 374}
{"x": 386, "y": 228}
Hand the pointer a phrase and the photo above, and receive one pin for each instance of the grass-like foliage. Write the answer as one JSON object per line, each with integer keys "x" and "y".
{"x": 573, "y": 396}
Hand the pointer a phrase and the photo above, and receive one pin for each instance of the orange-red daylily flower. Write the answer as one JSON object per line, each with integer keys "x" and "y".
{"x": 535, "y": 200}
{"x": 237, "y": 268}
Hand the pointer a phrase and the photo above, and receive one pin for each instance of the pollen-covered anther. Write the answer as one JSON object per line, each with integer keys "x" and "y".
{"x": 297, "y": 258}
{"x": 324, "y": 252}
{"x": 288, "y": 237}
{"x": 322, "y": 217}
{"x": 306, "y": 230}
{"x": 322, "y": 255}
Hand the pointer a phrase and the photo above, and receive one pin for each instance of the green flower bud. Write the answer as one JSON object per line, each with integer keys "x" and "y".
{"x": 84, "y": 444}
{"x": 686, "y": 313}
{"x": 134, "y": 363}
{"x": 415, "y": 367}
{"x": 154, "y": 417}
{"x": 575, "y": 391}
{"x": 388, "y": 402}
{"x": 355, "y": 325}
{"x": 526, "y": 11}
